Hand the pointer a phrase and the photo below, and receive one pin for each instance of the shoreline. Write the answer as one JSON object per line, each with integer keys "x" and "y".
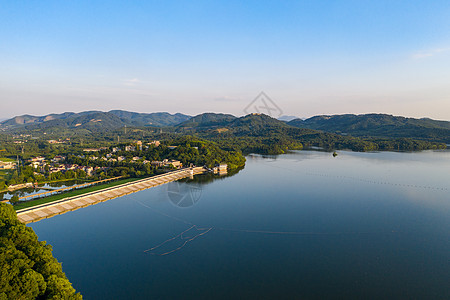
{"x": 57, "y": 207}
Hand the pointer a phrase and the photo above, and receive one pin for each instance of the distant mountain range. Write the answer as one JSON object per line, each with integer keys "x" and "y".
{"x": 259, "y": 133}
{"x": 95, "y": 120}
{"x": 379, "y": 125}
{"x": 368, "y": 125}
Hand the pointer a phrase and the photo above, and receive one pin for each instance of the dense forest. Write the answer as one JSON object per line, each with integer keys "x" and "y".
{"x": 28, "y": 269}
{"x": 380, "y": 126}
{"x": 258, "y": 133}
{"x": 186, "y": 149}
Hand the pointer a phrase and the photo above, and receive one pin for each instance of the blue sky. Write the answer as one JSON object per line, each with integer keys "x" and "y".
{"x": 310, "y": 57}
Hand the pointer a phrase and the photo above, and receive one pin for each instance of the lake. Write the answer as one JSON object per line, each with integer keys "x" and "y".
{"x": 299, "y": 225}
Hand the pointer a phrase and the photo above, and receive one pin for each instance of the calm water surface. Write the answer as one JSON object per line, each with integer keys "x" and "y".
{"x": 300, "y": 225}
{"x": 41, "y": 188}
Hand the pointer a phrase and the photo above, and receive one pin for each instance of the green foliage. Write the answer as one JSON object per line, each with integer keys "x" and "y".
{"x": 262, "y": 134}
{"x": 379, "y": 125}
{"x": 28, "y": 269}
{"x": 14, "y": 199}
{"x": 197, "y": 151}
{"x": 208, "y": 119}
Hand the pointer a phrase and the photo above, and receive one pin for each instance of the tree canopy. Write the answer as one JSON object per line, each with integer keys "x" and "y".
{"x": 28, "y": 269}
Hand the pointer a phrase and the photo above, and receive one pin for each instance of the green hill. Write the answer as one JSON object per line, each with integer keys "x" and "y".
{"x": 158, "y": 119}
{"x": 208, "y": 120}
{"x": 93, "y": 120}
{"x": 379, "y": 125}
{"x": 262, "y": 134}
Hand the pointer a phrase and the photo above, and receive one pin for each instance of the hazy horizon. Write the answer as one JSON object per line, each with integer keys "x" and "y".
{"x": 311, "y": 58}
{"x": 193, "y": 115}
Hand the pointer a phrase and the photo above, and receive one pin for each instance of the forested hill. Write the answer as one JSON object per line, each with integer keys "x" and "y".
{"x": 379, "y": 125}
{"x": 262, "y": 134}
{"x": 228, "y": 125}
{"x": 94, "y": 120}
{"x": 208, "y": 120}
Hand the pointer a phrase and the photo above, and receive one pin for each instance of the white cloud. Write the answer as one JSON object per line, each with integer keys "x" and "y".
{"x": 429, "y": 53}
{"x": 131, "y": 82}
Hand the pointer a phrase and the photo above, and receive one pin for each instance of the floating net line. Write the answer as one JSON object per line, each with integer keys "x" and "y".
{"x": 180, "y": 235}
{"x": 205, "y": 230}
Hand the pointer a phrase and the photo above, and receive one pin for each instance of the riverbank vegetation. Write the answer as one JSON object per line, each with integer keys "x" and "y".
{"x": 124, "y": 160}
{"x": 28, "y": 269}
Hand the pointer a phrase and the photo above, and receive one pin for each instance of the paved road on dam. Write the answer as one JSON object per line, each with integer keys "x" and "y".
{"x": 48, "y": 210}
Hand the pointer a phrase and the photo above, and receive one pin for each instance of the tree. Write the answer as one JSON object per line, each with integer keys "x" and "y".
{"x": 14, "y": 199}
{"x": 28, "y": 269}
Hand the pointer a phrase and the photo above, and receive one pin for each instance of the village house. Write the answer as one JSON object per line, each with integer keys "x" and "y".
{"x": 7, "y": 165}
{"x": 139, "y": 145}
{"x": 220, "y": 169}
{"x": 89, "y": 170}
{"x": 60, "y": 168}
{"x": 156, "y": 163}
{"x": 38, "y": 159}
{"x": 71, "y": 167}
{"x": 55, "y": 142}
{"x": 167, "y": 163}
{"x": 36, "y": 164}
{"x": 94, "y": 149}
{"x": 58, "y": 158}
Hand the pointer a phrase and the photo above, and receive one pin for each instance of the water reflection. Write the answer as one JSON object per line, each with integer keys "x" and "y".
{"x": 187, "y": 192}
{"x": 41, "y": 188}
